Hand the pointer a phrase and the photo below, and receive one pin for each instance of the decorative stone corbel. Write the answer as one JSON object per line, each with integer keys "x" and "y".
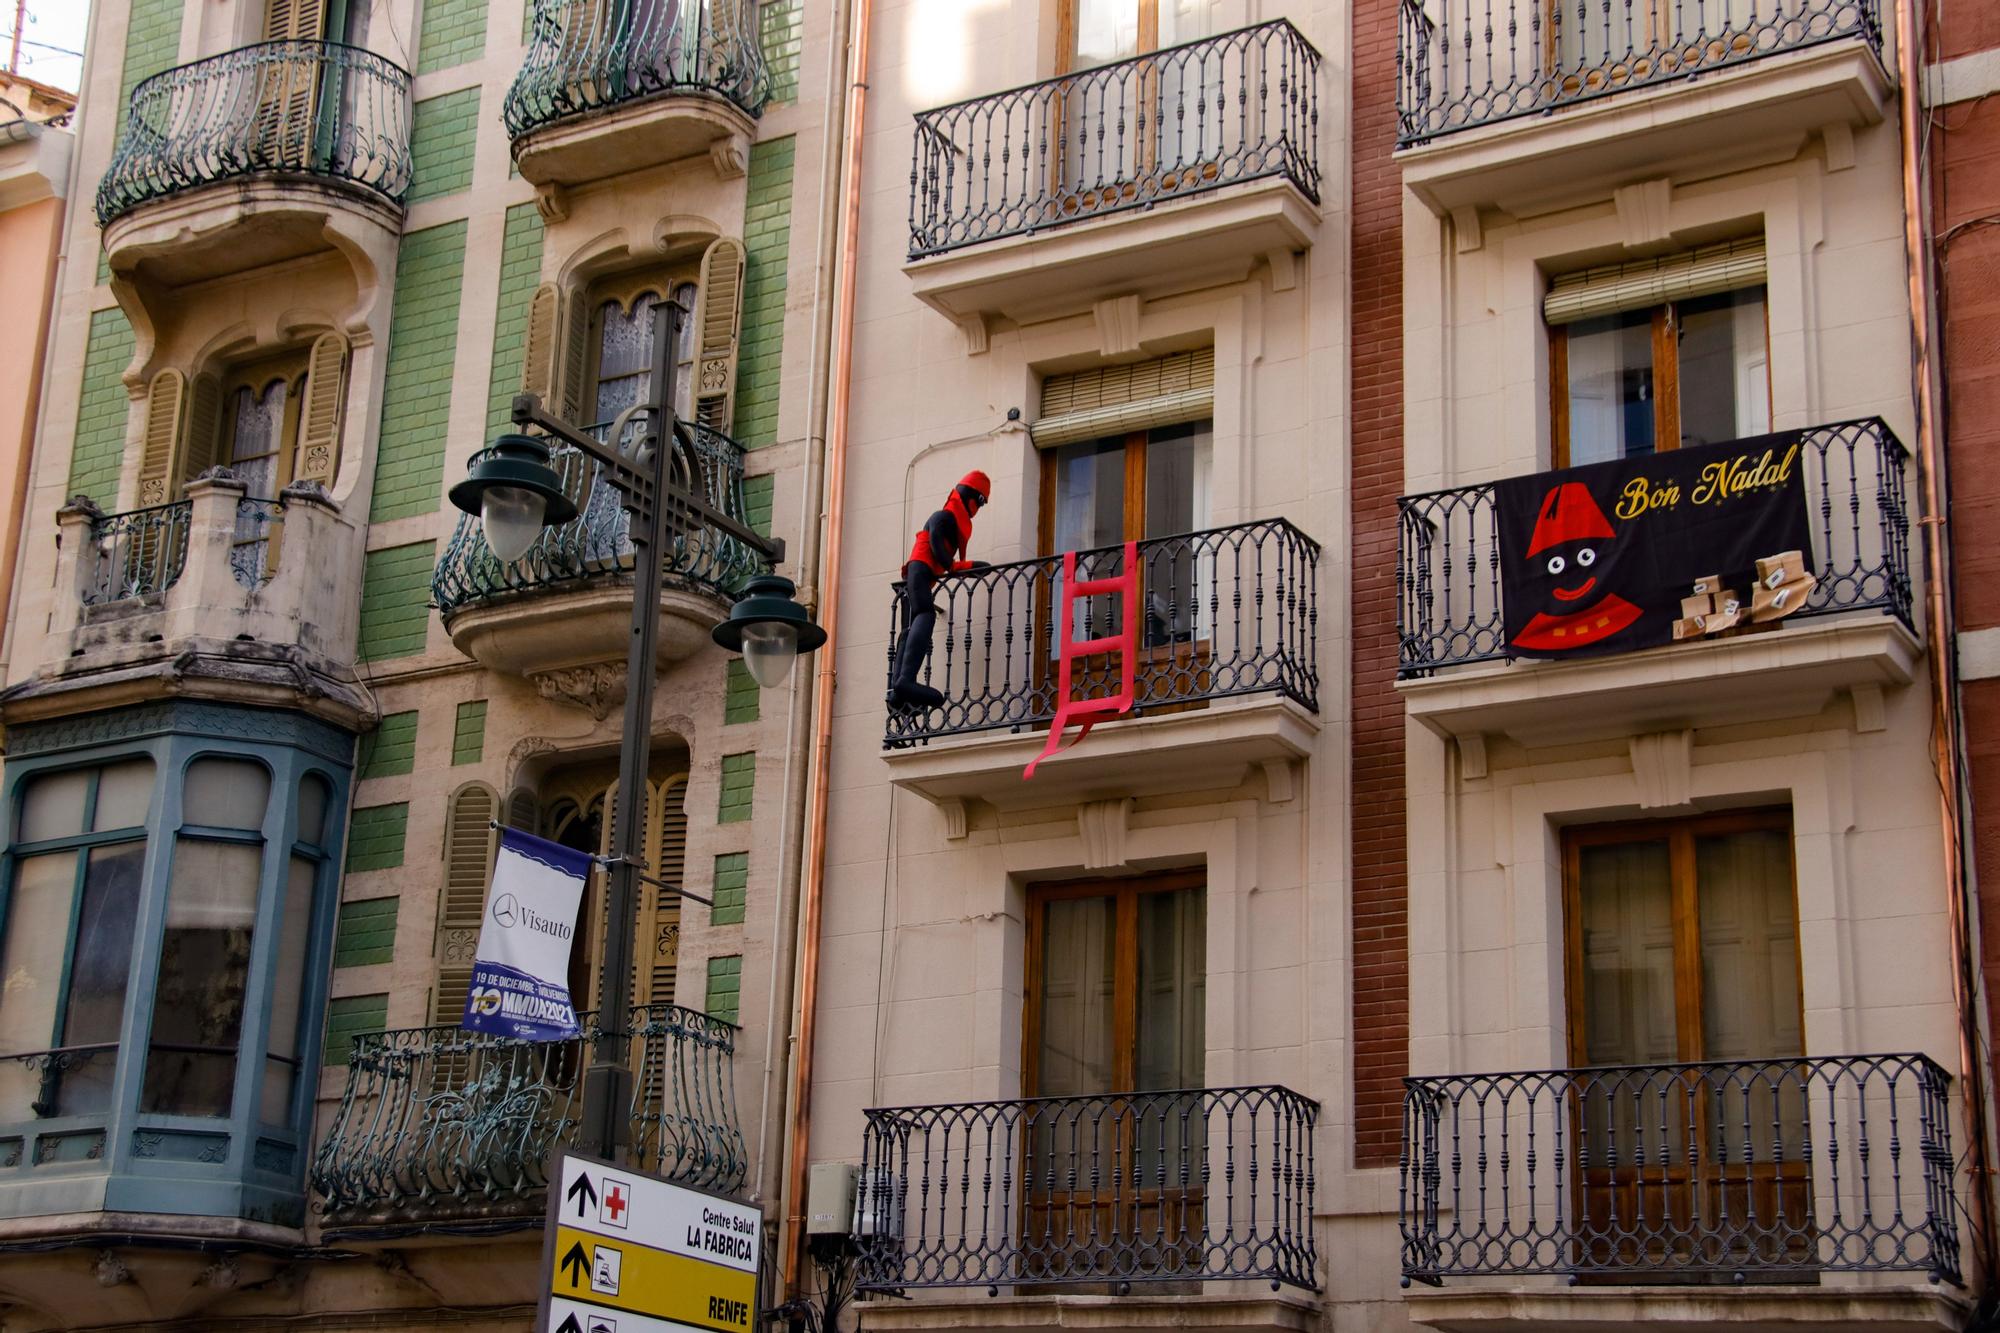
{"x": 955, "y": 821}
{"x": 1838, "y": 136}
{"x": 597, "y": 688}
{"x": 731, "y": 156}
{"x": 552, "y": 202}
{"x": 1663, "y": 762}
{"x": 110, "y": 1270}
{"x": 1870, "y": 713}
{"x": 1279, "y": 787}
{"x": 972, "y": 328}
{"x": 1472, "y": 755}
{"x": 1465, "y": 227}
{"x": 1284, "y": 269}
{"x": 1643, "y": 211}
{"x": 1118, "y": 324}
{"x": 1102, "y": 825}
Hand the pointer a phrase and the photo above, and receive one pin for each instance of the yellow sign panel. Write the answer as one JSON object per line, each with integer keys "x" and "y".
{"x": 625, "y": 1275}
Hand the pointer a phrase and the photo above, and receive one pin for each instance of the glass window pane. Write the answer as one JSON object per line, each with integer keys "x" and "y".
{"x": 32, "y": 958}
{"x": 1076, "y": 1001}
{"x": 1626, "y": 895}
{"x": 204, "y": 965}
{"x": 1090, "y": 495}
{"x": 314, "y": 795}
{"x": 1173, "y": 990}
{"x": 1106, "y": 30}
{"x": 1177, "y": 468}
{"x": 225, "y": 793}
{"x": 1611, "y": 387}
{"x": 1750, "y": 1002}
{"x": 294, "y": 935}
{"x": 1725, "y": 374}
{"x": 52, "y": 805}
{"x": 103, "y": 958}
{"x": 124, "y": 794}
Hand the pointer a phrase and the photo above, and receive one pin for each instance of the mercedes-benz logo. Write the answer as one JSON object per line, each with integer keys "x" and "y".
{"x": 504, "y": 909}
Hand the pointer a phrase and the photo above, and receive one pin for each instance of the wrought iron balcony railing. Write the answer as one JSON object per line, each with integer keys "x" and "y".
{"x": 318, "y": 109}
{"x": 586, "y": 55}
{"x": 597, "y": 541}
{"x": 1205, "y": 1183}
{"x": 1131, "y": 134}
{"x": 440, "y": 1123}
{"x": 1742, "y": 1170}
{"x": 135, "y": 554}
{"x": 1448, "y": 610}
{"x": 1226, "y": 612}
{"x": 1464, "y": 63}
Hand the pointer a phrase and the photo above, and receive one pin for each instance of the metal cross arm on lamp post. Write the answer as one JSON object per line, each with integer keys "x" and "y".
{"x": 515, "y": 493}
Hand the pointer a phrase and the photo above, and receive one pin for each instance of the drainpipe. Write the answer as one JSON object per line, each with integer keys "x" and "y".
{"x": 1932, "y": 519}
{"x": 814, "y": 886}
{"x": 778, "y": 1039}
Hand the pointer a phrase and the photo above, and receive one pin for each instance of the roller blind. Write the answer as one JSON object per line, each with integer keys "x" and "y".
{"x": 1650, "y": 282}
{"x": 1108, "y": 400}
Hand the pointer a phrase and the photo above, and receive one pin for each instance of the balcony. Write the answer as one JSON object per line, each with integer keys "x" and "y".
{"x": 1530, "y": 105}
{"x": 217, "y": 595}
{"x": 1854, "y": 633}
{"x": 310, "y": 138}
{"x": 438, "y": 1124}
{"x": 1169, "y": 171}
{"x": 1227, "y": 674}
{"x": 566, "y": 606}
{"x": 1160, "y": 1191}
{"x": 1822, "y": 1173}
{"x": 610, "y": 89}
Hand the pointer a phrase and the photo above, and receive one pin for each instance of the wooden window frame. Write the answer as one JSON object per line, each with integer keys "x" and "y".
{"x": 1124, "y": 967}
{"x": 1679, "y": 835}
{"x": 1666, "y": 379}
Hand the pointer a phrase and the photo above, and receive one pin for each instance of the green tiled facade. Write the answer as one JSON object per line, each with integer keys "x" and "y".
{"x": 468, "y": 733}
{"x": 724, "y": 997}
{"x": 767, "y": 242}
{"x": 395, "y": 601}
{"x": 442, "y": 130}
{"x": 349, "y": 1017}
{"x": 366, "y": 933}
{"x": 99, "y": 452}
{"x": 757, "y": 502}
{"x": 391, "y": 748}
{"x": 732, "y": 884}
{"x": 450, "y": 32}
{"x": 739, "y": 783}
{"x": 152, "y": 45}
{"x": 520, "y": 273}
{"x": 781, "y": 27}
{"x": 740, "y": 696}
{"x": 416, "y": 394}
{"x": 375, "y": 836}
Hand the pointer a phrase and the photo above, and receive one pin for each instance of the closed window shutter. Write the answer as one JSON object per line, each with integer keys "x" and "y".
{"x": 203, "y": 437}
{"x": 522, "y": 811}
{"x": 717, "y": 332}
{"x": 576, "y": 388}
{"x": 291, "y": 86}
{"x": 166, "y": 397}
{"x": 658, "y": 942}
{"x": 1110, "y": 400}
{"x": 469, "y": 843}
{"x": 538, "y": 359}
{"x": 294, "y": 20}
{"x": 1596, "y": 292}
{"x": 319, "y": 420}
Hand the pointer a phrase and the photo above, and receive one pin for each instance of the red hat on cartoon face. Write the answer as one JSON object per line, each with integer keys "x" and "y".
{"x": 1568, "y": 515}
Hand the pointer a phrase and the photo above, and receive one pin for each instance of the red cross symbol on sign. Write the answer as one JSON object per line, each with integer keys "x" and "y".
{"x": 615, "y": 1202}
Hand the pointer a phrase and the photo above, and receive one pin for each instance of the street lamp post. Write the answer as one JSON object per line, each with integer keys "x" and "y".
{"x": 515, "y": 493}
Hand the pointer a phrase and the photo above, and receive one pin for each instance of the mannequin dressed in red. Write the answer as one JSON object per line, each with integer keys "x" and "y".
{"x": 939, "y": 549}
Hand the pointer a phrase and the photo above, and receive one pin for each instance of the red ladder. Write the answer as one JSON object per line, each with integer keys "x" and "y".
{"x": 1125, "y": 643}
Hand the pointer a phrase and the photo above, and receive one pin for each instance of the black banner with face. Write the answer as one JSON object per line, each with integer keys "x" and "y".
{"x": 1598, "y": 559}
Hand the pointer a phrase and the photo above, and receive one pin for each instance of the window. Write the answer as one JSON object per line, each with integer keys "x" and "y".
{"x": 303, "y": 873}
{"x": 624, "y": 349}
{"x": 1097, "y": 32}
{"x": 78, "y": 860}
{"x": 205, "y": 949}
{"x": 1658, "y": 355}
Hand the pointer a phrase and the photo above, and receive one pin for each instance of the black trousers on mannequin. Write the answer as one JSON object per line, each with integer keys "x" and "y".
{"x": 919, "y": 622}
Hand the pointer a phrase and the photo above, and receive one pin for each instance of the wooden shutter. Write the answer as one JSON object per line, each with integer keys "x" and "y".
{"x": 294, "y": 20}
{"x": 469, "y": 844}
{"x": 658, "y": 941}
{"x": 202, "y": 440}
{"x": 717, "y": 331}
{"x": 319, "y": 416}
{"x": 538, "y": 358}
{"x": 523, "y": 812}
{"x": 1111, "y": 400}
{"x": 288, "y": 91}
{"x": 1613, "y": 288}
{"x": 575, "y": 386}
{"x": 166, "y": 400}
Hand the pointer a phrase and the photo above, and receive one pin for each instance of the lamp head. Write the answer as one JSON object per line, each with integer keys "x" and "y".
{"x": 769, "y": 628}
{"x": 515, "y": 493}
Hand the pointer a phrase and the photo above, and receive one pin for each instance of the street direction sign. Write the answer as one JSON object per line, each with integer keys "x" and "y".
{"x": 627, "y": 1252}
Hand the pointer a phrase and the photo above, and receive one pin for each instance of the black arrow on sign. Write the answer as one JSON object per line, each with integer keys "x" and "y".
{"x": 570, "y": 1325}
{"x": 576, "y": 1263}
{"x": 582, "y": 1190}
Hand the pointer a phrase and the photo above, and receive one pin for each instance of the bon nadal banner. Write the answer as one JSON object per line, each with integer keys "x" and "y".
{"x": 1638, "y": 552}
{"x": 520, "y": 974}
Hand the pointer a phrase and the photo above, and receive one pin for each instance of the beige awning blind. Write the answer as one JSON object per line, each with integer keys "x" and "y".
{"x": 1109, "y": 400}
{"x": 1650, "y": 282}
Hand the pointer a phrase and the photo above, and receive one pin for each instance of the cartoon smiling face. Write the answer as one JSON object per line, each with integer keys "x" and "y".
{"x": 1571, "y": 537}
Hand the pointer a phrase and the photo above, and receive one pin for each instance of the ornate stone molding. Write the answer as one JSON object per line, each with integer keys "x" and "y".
{"x": 597, "y": 689}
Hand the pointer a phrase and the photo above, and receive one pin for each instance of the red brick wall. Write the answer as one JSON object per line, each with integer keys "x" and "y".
{"x": 1381, "y": 910}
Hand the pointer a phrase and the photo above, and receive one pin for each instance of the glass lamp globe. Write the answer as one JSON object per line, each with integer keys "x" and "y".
{"x": 511, "y": 517}
{"x": 769, "y": 649}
